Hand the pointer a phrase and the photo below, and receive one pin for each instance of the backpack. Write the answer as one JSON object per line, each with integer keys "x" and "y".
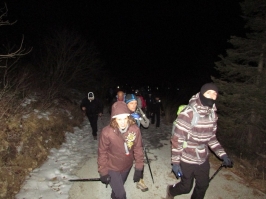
{"x": 180, "y": 108}
{"x": 194, "y": 119}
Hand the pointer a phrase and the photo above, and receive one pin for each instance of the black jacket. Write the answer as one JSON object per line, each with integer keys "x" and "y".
{"x": 157, "y": 106}
{"x": 93, "y": 107}
{"x": 150, "y": 100}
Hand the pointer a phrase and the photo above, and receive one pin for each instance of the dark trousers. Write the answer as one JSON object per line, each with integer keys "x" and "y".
{"x": 93, "y": 122}
{"x": 191, "y": 171}
{"x": 117, "y": 182}
{"x": 158, "y": 118}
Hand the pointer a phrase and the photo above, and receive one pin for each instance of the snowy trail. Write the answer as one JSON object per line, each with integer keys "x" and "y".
{"x": 51, "y": 179}
{"x": 77, "y": 158}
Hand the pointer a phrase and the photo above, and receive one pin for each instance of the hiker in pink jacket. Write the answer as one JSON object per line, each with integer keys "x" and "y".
{"x": 120, "y": 145}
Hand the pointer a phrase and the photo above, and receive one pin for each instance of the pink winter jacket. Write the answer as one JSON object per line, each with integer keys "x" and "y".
{"x": 111, "y": 150}
{"x": 198, "y": 138}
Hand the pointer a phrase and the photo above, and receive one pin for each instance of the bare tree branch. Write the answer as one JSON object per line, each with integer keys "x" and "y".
{"x": 4, "y": 12}
{"x": 11, "y": 54}
{"x": 19, "y": 52}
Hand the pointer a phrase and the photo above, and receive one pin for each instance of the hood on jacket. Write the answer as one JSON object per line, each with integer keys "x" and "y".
{"x": 119, "y": 108}
{"x": 91, "y": 96}
{"x": 196, "y": 103}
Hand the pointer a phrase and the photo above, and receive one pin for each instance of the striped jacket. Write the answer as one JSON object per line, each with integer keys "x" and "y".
{"x": 190, "y": 143}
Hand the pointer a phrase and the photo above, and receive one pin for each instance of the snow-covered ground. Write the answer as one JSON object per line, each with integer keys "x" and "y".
{"x": 77, "y": 158}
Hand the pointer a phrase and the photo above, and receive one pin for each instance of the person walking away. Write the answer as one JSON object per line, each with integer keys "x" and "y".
{"x": 157, "y": 110}
{"x": 190, "y": 153}
{"x": 120, "y": 145}
{"x": 131, "y": 101}
{"x": 92, "y": 108}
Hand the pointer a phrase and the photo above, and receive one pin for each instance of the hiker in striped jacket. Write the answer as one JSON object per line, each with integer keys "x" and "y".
{"x": 190, "y": 144}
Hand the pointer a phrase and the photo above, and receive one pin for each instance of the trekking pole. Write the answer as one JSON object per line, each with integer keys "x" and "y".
{"x": 148, "y": 163}
{"x": 216, "y": 172}
{"x": 86, "y": 180}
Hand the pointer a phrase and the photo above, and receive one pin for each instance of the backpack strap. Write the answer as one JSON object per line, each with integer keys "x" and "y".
{"x": 194, "y": 121}
{"x": 196, "y": 116}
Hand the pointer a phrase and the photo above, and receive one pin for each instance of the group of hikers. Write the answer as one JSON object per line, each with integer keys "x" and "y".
{"x": 148, "y": 102}
{"x": 120, "y": 143}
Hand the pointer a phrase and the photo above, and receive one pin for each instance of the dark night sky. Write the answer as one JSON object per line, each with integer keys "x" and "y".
{"x": 171, "y": 42}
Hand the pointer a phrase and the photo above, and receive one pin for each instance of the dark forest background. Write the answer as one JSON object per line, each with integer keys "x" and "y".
{"x": 61, "y": 61}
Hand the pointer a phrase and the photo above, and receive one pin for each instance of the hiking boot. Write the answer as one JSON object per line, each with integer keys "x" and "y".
{"x": 141, "y": 185}
{"x": 168, "y": 195}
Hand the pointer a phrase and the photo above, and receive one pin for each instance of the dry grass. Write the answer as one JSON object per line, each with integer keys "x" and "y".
{"x": 27, "y": 137}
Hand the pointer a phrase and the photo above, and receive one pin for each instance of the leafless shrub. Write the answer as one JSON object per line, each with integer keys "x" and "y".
{"x": 67, "y": 61}
{"x": 12, "y": 52}
{"x": 12, "y": 80}
{"x": 3, "y": 15}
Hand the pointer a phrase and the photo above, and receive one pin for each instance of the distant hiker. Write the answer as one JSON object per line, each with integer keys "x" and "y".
{"x": 142, "y": 99}
{"x": 120, "y": 96}
{"x": 141, "y": 119}
{"x": 139, "y": 99}
{"x": 143, "y": 92}
{"x": 190, "y": 144}
{"x": 136, "y": 112}
{"x": 150, "y": 100}
{"x": 93, "y": 108}
{"x": 157, "y": 110}
{"x": 120, "y": 145}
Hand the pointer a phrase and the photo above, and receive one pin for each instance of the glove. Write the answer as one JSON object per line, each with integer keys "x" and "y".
{"x": 138, "y": 175}
{"x": 177, "y": 170}
{"x": 135, "y": 116}
{"x": 105, "y": 179}
{"x": 227, "y": 162}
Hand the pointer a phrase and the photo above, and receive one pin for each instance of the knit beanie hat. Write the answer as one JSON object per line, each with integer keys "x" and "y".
{"x": 208, "y": 86}
{"x": 119, "y": 108}
{"x": 130, "y": 97}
